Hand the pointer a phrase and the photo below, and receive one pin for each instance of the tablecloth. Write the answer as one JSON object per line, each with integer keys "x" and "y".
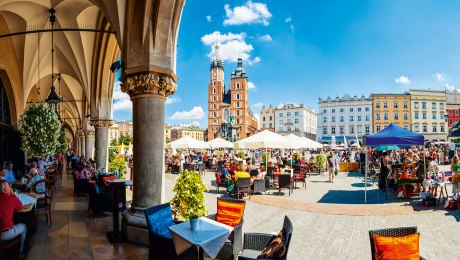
{"x": 26, "y": 199}
{"x": 210, "y": 237}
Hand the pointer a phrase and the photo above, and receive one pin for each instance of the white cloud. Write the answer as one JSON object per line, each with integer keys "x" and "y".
{"x": 450, "y": 87}
{"x": 266, "y": 38}
{"x": 208, "y": 18}
{"x": 251, "y": 85}
{"x": 258, "y": 105}
{"x": 231, "y": 46}
{"x": 196, "y": 113}
{"x": 117, "y": 93}
{"x": 248, "y": 13}
{"x": 216, "y": 37}
{"x": 292, "y": 28}
{"x": 440, "y": 77}
{"x": 123, "y": 105}
{"x": 402, "y": 80}
{"x": 288, "y": 20}
{"x": 173, "y": 99}
{"x": 253, "y": 61}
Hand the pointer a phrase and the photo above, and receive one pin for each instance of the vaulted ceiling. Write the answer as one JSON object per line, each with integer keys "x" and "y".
{"x": 79, "y": 55}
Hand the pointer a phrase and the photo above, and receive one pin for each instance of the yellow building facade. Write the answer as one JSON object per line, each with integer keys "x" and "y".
{"x": 391, "y": 108}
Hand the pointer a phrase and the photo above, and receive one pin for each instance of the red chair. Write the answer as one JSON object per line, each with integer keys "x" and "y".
{"x": 219, "y": 182}
{"x": 300, "y": 177}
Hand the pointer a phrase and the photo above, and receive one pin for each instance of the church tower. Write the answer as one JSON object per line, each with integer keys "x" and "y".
{"x": 216, "y": 89}
{"x": 239, "y": 92}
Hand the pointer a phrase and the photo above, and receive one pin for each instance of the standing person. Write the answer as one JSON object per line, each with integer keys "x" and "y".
{"x": 362, "y": 161}
{"x": 201, "y": 165}
{"x": 383, "y": 171}
{"x": 332, "y": 163}
{"x": 10, "y": 204}
{"x": 182, "y": 161}
{"x": 9, "y": 173}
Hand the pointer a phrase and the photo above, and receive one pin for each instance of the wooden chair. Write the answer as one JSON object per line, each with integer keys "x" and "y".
{"x": 51, "y": 175}
{"x": 44, "y": 204}
{"x": 14, "y": 243}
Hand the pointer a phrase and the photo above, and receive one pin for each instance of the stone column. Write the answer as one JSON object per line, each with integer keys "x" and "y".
{"x": 148, "y": 92}
{"x": 77, "y": 145}
{"x": 82, "y": 145}
{"x": 89, "y": 145}
{"x": 102, "y": 141}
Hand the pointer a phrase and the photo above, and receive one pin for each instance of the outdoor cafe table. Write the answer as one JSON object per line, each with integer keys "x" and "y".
{"x": 27, "y": 214}
{"x": 210, "y": 236}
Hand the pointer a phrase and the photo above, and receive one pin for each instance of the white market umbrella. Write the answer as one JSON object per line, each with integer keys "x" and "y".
{"x": 187, "y": 142}
{"x": 264, "y": 139}
{"x": 219, "y": 143}
{"x": 298, "y": 142}
{"x": 313, "y": 144}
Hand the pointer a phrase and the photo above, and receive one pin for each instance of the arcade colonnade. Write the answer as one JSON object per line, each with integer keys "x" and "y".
{"x": 143, "y": 32}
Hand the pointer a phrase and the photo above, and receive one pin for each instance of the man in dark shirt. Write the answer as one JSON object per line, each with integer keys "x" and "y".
{"x": 9, "y": 203}
{"x": 362, "y": 161}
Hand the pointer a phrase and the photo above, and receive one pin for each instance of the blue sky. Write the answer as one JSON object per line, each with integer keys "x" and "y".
{"x": 297, "y": 51}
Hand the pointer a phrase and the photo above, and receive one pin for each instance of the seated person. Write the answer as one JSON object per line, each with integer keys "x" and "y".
{"x": 242, "y": 173}
{"x": 33, "y": 170}
{"x": 9, "y": 174}
{"x": 10, "y": 204}
{"x": 34, "y": 178}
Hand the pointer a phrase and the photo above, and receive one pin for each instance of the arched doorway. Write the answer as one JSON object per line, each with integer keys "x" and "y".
{"x": 9, "y": 138}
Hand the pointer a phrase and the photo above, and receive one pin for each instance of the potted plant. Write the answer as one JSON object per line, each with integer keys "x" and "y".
{"x": 189, "y": 201}
{"x": 320, "y": 162}
{"x": 40, "y": 129}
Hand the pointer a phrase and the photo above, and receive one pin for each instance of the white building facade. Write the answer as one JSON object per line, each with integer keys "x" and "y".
{"x": 344, "y": 117}
{"x": 295, "y": 119}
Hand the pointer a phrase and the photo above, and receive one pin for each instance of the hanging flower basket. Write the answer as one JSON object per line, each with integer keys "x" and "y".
{"x": 40, "y": 129}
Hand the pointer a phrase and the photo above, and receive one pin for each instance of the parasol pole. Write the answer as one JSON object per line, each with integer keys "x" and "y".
{"x": 365, "y": 175}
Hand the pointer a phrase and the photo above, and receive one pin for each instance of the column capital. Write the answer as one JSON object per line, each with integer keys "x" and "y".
{"x": 101, "y": 123}
{"x": 149, "y": 83}
{"x": 88, "y": 132}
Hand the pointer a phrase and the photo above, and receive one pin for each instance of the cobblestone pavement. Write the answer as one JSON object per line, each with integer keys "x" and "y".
{"x": 325, "y": 230}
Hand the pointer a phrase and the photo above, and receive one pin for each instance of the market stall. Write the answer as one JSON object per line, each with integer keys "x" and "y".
{"x": 394, "y": 135}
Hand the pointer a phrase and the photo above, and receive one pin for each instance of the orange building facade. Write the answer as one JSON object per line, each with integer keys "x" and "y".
{"x": 223, "y": 102}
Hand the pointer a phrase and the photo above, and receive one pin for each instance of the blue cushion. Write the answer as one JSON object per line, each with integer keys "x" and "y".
{"x": 160, "y": 221}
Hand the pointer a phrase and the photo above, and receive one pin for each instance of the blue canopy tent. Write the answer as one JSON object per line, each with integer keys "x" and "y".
{"x": 394, "y": 135}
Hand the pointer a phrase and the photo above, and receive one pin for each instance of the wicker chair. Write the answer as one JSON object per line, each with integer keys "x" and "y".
{"x": 254, "y": 243}
{"x": 7, "y": 246}
{"x": 243, "y": 185}
{"x": 259, "y": 186}
{"x": 390, "y": 232}
{"x": 163, "y": 248}
{"x": 234, "y": 243}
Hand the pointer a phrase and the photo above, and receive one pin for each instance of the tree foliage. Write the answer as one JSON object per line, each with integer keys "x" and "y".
{"x": 119, "y": 164}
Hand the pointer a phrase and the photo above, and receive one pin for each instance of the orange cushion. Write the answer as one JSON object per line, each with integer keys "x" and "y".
{"x": 109, "y": 178}
{"x": 229, "y": 213}
{"x": 406, "y": 247}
